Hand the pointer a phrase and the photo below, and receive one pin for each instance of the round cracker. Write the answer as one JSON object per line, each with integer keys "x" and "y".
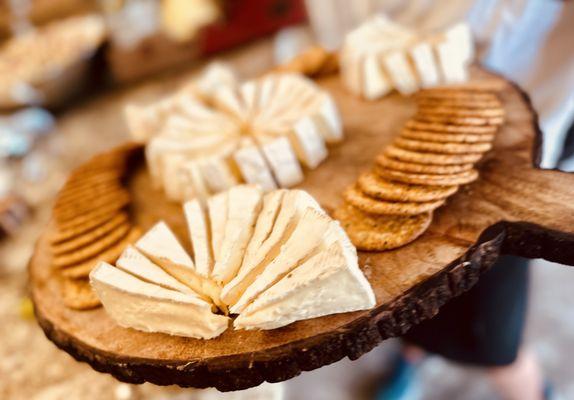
{"x": 85, "y": 238}
{"x": 363, "y": 202}
{"x": 377, "y": 187}
{"x": 61, "y": 235}
{"x": 430, "y": 136}
{"x": 441, "y": 148}
{"x": 491, "y": 112}
{"x": 469, "y": 102}
{"x": 448, "y": 128}
{"x": 91, "y": 250}
{"x": 70, "y": 221}
{"x": 382, "y": 232}
{"x": 461, "y": 178}
{"x": 459, "y": 120}
{"x": 431, "y": 158}
{"x": 78, "y": 294}
{"x": 387, "y": 162}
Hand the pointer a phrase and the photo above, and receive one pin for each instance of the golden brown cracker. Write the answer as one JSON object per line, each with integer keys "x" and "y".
{"x": 381, "y": 232}
{"x": 85, "y": 238}
{"x": 469, "y": 102}
{"x": 492, "y": 112}
{"x": 459, "y": 120}
{"x": 109, "y": 255}
{"x": 73, "y": 210}
{"x": 441, "y": 148}
{"x": 448, "y": 128}
{"x": 99, "y": 214}
{"x": 61, "y": 235}
{"x": 461, "y": 178}
{"x": 92, "y": 249}
{"x": 375, "y": 186}
{"x": 430, "y": 136}
{"x": 78, "y": 294}
{"x": 431, "y": 158}
{"x": 390, "y": 163}
{"x": 87, "y": 194}
{"x": 363, "y": 202}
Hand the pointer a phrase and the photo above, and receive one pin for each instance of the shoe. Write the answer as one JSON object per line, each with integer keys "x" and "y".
{"x": 402, "y": 384}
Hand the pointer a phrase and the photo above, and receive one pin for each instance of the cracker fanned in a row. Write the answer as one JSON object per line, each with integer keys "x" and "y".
{"x": 213, "y": 136}
{"x": 272, "y": 259}
{"x": 381, "y": 55}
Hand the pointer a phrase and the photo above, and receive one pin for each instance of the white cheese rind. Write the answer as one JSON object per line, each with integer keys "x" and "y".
{"x": 200, "y": 235}
{"x": 327, "y": 283}
{"x": 283, "y": 162}
{"x": 253, "y": 167}
{"x": 136, "y": 304}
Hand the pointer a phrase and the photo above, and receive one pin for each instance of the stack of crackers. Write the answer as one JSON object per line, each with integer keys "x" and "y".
{"x": 91, "y": 224}
{"x": 433, "y": 156}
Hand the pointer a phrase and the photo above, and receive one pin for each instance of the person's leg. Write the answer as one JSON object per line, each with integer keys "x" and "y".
{"x": 521, "y": 380}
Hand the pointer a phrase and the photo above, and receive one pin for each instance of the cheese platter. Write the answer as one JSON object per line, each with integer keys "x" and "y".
{"x": 513, "y": 207}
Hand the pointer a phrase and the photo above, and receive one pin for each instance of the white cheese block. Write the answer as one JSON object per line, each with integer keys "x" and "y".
{"x": 283, "y": 162}
{"x": 215, "y": 75}
{"x": 460, "y": 36}
{"x": 193, "y": 182}
{"x": 253, "y": 167}
{"x": 305, "y": 239}
{"x": 308, "y": 142}
{"x": 260, "y": 253}
{"x": 425, "y": 64}
{"x": 140, "y": 305}
{"x": 228, "y": 99}
{"x": 161, "y": 246}
{"x": 452, "y": 63}
{"x": 397, "y": 66}
{"x": 375, "y": 82}
{"x": 217, "y": 212}
{"x": 200, "y": 235}
{"x": 243, "y": 206}
{"x": 327, "y": 283}
{"x": 217, "y": 174}
{"x": 172, "y": 176}
{"x": 135, "y": 263}
{"x": 328, "y": 120}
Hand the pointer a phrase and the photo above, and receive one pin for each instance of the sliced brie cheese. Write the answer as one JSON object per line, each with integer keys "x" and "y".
{"x": 308, "y": 142}
{"x": 375, "y": 83}
{"x": 425, "y": 65}
{"x": 161, "y": 246}
{"x": 451, "y": 60}
{"x": 244, "y": 204}
{"x": 200, "y": 235}
{"x": 135, "y": 263}
{"x": 305, "y": 239}
{"x": 253, "y": 167}
{"x": 217, "y": 173}
{"x": 133, "y": 303}
{"x": 217, "y": 211}
{"x": 216, "y": 75}
{"x": 327, "y": 283}
{"x": 260, "y": 253}
{"x": 397, "y": 66}
{"x": 284, "y": 164}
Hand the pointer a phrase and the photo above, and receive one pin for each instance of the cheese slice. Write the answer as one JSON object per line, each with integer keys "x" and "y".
{"x": 425, "y": 65}
{"x": 161, "y": 246}
{"x": 228, "y": 99}
{"x": 305, "y": 239}
{"x": 452, "y": 62}
{"x": 327, "y": 283}
{"x": 460, "y": 36}
{"x": 216, "y": 75}
{"x": 397, "y": 66}
{"x": 200, "y": 235}
{"x": 217, "y": 212}
{"x": 328, "y": 120}
{"x": 192, "y": 181}
{"x": 135, "y": 263}
{"x": 252, "y": 165}
{"x": 140, "y": 305}
{"x": 375, "y": 83}
{"x": 260, "y": 253}
{"x": 308, "y": 142}
{"x": 217, "y": 173}
{"x": 244, "y": 204}
{"x": 283, "y": 162}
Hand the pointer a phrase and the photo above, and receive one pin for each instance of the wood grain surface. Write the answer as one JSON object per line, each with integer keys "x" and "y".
{"x": 512, "y": 208}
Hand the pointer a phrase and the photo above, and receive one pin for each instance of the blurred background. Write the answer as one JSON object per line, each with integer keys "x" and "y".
{"x": 67, "y": 67}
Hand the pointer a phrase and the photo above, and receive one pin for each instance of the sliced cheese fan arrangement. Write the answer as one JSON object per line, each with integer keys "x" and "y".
{"x": 216, "y": 133}
{"x": 381, "y": 55}
{"x": 434, "y": 155}
{"x": 267, "y": 259}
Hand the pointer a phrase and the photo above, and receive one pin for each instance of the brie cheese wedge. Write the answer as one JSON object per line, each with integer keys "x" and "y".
{"x": 140, "y": 305}
{"x": 381, "y": 55}
{"x": 161, "y": 246}
{"x": 279, "y": 257}
{"x": 326, "y": 283}
{"x": 244, "y": 204}
{"x": 213, "y": 135}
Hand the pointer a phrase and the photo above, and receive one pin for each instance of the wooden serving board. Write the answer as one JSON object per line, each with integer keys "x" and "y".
{"x": 513, "y": 208}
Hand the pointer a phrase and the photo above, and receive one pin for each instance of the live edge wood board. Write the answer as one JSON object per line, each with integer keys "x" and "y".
{"x": 514, "y": 208}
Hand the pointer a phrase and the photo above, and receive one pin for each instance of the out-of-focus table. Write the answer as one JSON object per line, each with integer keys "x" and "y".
{"x": 30, "y": 365}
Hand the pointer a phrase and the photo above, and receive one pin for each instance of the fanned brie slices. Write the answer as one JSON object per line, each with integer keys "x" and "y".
{"x": 268, "y": 259}
{"x": 216, "y": 134}
{"x": 381, "y": 55}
